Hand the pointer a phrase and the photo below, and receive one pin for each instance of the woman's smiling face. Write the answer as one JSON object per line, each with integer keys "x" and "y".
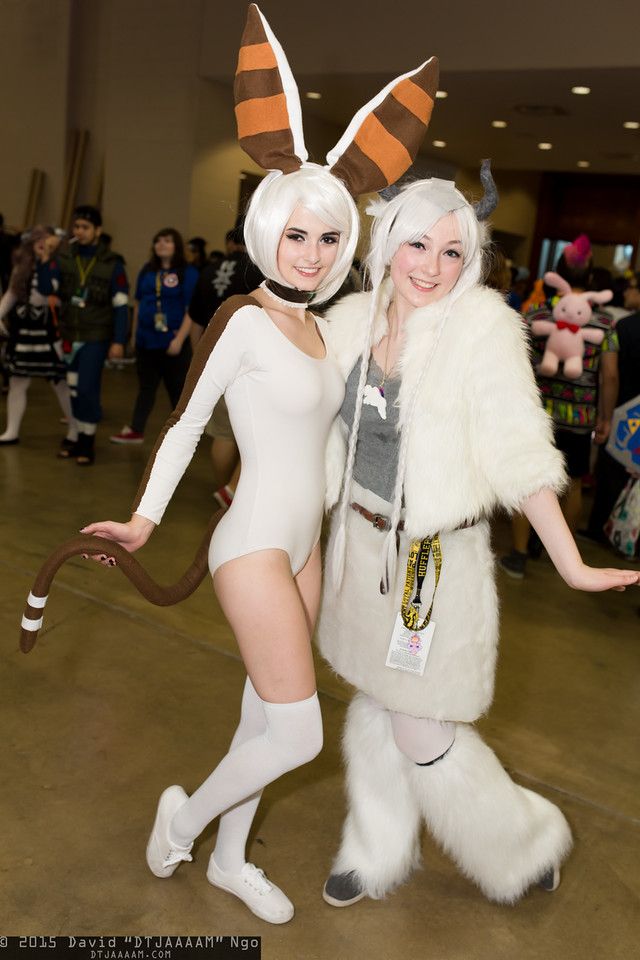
{"x": 426, "y": 270}
{"x": 307, "y": 250}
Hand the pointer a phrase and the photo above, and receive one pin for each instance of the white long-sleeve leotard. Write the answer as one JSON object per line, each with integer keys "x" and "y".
{"x": 281, "y": 405}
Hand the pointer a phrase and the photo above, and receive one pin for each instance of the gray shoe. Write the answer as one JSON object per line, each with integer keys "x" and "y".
{"x": 550, "y": 880}
{"x": 343, "y": 889}
{"x": 514, "y": 564}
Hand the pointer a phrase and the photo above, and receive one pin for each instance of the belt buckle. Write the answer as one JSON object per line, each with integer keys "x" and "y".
{"x": 380, "y": 522}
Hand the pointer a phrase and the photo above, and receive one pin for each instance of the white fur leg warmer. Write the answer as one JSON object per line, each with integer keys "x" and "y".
{"x": 502, "y": 836}
{"x": 380, "y": 833}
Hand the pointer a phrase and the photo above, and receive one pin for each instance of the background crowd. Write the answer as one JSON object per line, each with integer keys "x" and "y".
{"x": 67, "y": 310}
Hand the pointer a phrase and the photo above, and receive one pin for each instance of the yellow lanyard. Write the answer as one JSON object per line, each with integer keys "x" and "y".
{"x": 419, "y": 560}
{"x": 83, "y": 274}
{"x": 159, "y": 291}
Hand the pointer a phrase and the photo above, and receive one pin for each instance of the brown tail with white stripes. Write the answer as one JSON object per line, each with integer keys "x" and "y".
{"x": 150, "y": 590}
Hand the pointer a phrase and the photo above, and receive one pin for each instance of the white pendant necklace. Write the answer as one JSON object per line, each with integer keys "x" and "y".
{"x": 374, "y": 395}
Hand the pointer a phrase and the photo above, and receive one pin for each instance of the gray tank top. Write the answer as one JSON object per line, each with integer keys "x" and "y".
{"x": 378, "y": 445}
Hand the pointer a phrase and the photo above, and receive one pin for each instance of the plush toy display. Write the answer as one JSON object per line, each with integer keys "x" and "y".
{"x": 569, "y": 333}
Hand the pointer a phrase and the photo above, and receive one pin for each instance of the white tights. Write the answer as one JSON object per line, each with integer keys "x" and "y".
{"x": 17, "y": 404}
{"x": 271, "y": 739}
{"x": 421, "y": 739}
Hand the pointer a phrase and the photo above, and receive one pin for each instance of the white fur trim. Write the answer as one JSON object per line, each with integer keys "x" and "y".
{"x": 381, "y": 832}
{"x": 502, "y": 836}
{"x": 356, "y": 622}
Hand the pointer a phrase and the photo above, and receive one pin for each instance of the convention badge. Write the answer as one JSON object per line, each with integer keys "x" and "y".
{"x": 160, "y": 322}
{"x": 79, "y": 299}
{"x": 170, "y": 280}
{"x": 409, "y": 649}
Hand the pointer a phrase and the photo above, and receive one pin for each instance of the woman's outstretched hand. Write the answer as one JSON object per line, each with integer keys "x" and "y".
{"x": 131, "y": 535}
{"x": 595, "y": 579}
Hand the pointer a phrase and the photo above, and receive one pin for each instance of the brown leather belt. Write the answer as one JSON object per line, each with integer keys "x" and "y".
{"x": 379, "y": 521}
{"x": 382, "y": 523}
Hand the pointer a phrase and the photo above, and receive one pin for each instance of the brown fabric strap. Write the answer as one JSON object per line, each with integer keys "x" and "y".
{"x": 132, "y": 569}
{"x": 203, "y": 350}
{"x": 378, "y": 520}
{"x": 382, "y": 523}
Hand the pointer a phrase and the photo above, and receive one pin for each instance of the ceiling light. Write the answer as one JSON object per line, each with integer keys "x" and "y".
{"x": 313, "y": 95}
{"x": 500, "y": 124}
{"x": 545, "y": 146}
{"x": 581, "y": 91}
{"x": 441, "y": 94}
{"x": 439, "y": 143}
{"x": 584, "y": 163}
{"x": 631, "y": 125}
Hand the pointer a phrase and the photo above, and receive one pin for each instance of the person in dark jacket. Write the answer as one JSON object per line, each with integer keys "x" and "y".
{"x": 94, "y": 322}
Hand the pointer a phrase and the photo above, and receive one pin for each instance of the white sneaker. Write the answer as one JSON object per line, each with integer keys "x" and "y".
{"x": 252, "y": 887}
{"x": 163, "y": 856}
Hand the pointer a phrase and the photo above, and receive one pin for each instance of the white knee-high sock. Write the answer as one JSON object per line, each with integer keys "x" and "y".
{"x": 293, "y": 736}
{"x": 235, "y": 824}
{"x": 16, "y": 406}
{"x": 61, "y": 390}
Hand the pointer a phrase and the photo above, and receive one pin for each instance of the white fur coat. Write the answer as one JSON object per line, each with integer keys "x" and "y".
{"x": 479, "y": 439}
{"x": 479, "y": 436}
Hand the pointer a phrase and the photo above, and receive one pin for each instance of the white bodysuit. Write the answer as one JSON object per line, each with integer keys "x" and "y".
{"x": 281, "y": 403}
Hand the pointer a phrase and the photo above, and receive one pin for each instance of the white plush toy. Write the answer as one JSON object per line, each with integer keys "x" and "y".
{"x": 569, "y": 333}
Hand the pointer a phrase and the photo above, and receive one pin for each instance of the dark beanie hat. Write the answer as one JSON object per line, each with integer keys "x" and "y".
{"x": 87, "y": 212}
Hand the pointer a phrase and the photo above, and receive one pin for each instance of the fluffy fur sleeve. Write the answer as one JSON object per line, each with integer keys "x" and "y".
{"x": 516, "y": 455}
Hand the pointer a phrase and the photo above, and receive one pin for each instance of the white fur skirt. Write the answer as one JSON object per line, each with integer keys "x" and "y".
{"x": 356, "y": 624}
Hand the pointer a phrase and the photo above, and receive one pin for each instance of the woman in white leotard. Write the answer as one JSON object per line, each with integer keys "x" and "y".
{"x": 283, "y": 390}
{"x": 268, "y": 355}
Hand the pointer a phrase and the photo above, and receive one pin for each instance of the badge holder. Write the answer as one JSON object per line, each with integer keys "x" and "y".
{"x": 160, "y": 317}
{"x": 80, "y": 297}
{"x": 411, "y": 639}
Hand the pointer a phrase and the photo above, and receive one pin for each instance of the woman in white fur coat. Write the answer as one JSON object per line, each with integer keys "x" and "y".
{"x": 441, "y": 424}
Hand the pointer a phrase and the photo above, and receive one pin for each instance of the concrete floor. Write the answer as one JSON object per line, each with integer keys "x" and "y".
{"x": 120, "y": 698}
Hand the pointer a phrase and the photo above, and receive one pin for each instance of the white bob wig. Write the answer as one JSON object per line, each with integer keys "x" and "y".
{"x": 271, "y": 206}
{"x": 411, "y": 214}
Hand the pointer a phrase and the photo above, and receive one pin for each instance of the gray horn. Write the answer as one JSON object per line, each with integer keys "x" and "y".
{"x": 485, "y": 207}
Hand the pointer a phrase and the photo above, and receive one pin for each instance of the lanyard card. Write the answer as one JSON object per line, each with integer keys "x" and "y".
{"x": 409, "y": 649}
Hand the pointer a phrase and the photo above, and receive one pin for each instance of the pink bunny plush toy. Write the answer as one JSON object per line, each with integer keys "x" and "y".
{"x": 568, "y": 334}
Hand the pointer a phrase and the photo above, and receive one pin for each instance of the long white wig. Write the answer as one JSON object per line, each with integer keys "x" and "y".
{"x": 271, "y": 206}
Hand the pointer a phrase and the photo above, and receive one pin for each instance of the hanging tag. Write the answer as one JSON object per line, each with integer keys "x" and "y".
{"x": 160, "y": 322}
{"x": 409, "y": 649}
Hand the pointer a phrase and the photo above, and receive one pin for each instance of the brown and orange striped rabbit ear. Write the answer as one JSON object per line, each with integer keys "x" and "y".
{"x": 382, "y": 140}
{"x": 268, "y": 110}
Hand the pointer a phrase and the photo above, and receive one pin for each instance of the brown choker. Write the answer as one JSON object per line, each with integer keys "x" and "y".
{"x": 287, "y": 295}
